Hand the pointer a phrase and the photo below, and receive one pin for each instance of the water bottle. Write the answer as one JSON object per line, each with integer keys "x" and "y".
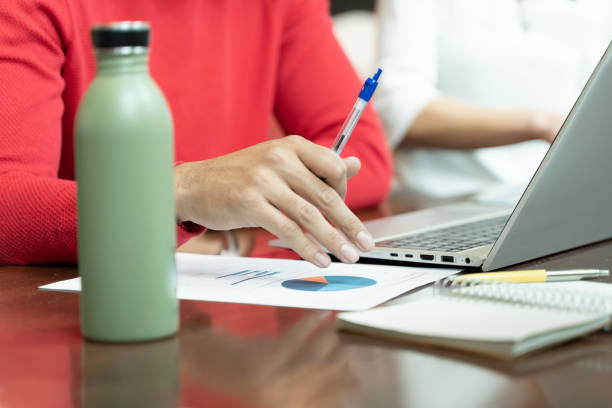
{"x": 124, "y": 171}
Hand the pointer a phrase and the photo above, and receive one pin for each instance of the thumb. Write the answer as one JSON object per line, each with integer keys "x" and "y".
{"x": 353, "y": 164}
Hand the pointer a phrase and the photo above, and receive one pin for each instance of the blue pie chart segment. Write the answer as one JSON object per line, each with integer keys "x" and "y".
{"x": 328, "y": 283}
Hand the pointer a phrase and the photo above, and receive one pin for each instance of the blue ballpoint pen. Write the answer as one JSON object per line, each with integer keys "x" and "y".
{"x": 351, "y": 121}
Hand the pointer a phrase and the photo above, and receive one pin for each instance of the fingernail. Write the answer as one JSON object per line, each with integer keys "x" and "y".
{"x": 365, "y": 240}
{"x": 349, "y": 252}
{"x": 322, "y": 260}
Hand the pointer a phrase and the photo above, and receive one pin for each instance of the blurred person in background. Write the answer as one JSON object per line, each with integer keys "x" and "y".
{"x": 475, "y": 90}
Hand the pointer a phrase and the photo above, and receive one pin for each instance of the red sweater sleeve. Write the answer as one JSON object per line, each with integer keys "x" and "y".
{"x": 37, "y": 209}
{"x": 317, "y": 88}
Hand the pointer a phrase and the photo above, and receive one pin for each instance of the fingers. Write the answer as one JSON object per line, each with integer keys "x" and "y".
{"x": 325, "y": 198}
{"x": 353, "y": 165}
{"x": 310, "y": 218}
{"x": 290, "y": 232}
{"x": 322, "y": 162}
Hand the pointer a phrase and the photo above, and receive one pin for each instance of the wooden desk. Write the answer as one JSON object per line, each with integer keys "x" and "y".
{"x": 240, "y": 355}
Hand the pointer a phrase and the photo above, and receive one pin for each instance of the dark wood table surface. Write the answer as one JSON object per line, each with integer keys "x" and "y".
{"x": 231, "y": 355}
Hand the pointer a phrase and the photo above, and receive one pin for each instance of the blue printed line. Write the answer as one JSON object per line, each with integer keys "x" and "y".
{"x": 245, "y": 272}
{"x": 257, "y": 275}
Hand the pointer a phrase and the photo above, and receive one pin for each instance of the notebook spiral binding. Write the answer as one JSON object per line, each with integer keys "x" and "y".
{"x": 536, "y": 295}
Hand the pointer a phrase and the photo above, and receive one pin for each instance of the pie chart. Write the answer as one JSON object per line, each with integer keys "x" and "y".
{"x": 328, "y": 283}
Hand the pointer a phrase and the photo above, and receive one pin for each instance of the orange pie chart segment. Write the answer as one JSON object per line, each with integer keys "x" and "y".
{"x": 320, "y": 279}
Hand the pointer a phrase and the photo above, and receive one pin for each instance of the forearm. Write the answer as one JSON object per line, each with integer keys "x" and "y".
{"x": 38, "y": 219}
{"x": 453, "y": 124}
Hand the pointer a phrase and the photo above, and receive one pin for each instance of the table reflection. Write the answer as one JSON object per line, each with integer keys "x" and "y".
{"x": 305, "y": 362}
{"x": 303, "y": 367}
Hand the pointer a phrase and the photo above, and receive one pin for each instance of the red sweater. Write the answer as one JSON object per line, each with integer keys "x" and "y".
{"x": 225, "y": 66}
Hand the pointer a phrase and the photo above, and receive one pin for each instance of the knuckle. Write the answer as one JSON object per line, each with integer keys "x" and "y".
{"x": 328, "y": 196}
{"x": 290, "y": 230}
{"x": 307, "y": 213}
{"x": 335, "y": 240}
{"x": 295, "y": 139}
{"x": 338, "y": 170}
{"x": 258, "y": 176}
{"x": 306, "y": 248}
{"x": 276, "y": 155}
{"x": 353, "y": 225}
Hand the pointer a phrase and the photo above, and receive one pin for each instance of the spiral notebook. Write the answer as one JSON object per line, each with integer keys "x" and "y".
{"x": 503, "y": 320}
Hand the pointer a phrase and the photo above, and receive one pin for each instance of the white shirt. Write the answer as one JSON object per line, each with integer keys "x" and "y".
{"x": 497, "y": 53}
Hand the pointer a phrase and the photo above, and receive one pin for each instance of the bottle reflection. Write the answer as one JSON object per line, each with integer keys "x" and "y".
{"x": 130, "y": 375}
{"x": 306, "y": 366}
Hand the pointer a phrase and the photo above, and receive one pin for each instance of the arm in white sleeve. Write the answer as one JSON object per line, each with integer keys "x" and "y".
{"x": 408, "y": 57}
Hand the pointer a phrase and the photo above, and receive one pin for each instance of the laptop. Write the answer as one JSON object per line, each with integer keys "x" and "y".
{"x": 567, "y": 204}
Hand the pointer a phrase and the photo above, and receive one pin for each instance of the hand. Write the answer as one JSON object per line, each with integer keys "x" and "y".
{"x": 277, "y": 185}
{"x": 545, "y": 125}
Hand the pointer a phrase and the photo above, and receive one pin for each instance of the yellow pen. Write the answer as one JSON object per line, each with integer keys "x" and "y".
{"x": 535, "y": 275}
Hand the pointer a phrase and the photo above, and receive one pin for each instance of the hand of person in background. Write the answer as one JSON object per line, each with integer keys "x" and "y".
{"x": 277, "y": 185}
{"x": 546, "y": 125}
{"x": 453, "y": 124}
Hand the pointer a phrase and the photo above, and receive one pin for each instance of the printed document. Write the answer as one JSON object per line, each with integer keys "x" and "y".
{"x": 291, "y": 283}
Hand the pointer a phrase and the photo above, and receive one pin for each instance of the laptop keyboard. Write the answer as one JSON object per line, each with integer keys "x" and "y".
{"x": 452, "y": 239}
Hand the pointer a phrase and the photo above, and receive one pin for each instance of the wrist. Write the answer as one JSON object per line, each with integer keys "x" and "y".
{"x": 182, "y": 200}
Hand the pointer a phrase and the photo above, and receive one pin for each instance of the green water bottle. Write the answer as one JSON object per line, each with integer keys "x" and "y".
{"x": 124, "y": 170}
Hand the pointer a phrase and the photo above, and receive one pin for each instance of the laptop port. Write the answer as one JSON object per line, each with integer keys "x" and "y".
{"x": 393, "y": 254}
{"x": 467, "y": 260}
{"x": 427, "y": 257}
{"x": 448, "y": 258}
{"x": 408, "y": 255}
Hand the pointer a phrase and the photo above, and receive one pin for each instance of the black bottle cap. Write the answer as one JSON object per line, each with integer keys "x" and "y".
{"x": 121, "y": 34}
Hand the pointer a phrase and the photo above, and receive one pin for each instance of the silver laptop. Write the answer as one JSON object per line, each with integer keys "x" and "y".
{"x": 567, "y": 204}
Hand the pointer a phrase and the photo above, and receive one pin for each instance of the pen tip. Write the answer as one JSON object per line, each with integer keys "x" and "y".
{"x": 377, "y": 75}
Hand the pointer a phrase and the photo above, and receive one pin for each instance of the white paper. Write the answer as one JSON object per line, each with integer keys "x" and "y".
{"x": 260, "y": 281}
